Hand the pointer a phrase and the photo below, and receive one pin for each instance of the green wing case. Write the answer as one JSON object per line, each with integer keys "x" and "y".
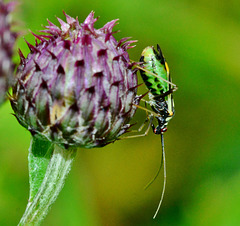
{"x": 154, "y": 62}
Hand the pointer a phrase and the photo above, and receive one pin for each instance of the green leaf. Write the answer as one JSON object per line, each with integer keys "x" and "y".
{"x": 49, "y": 165}
{"x": 40, "y": 152}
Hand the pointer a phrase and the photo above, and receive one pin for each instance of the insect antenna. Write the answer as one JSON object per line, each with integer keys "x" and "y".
{"x": 164, "y": 175}
{"x": 155, "y": 177}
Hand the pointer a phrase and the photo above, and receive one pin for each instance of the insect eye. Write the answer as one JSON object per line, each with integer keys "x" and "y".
{"x": 164, "y": 130}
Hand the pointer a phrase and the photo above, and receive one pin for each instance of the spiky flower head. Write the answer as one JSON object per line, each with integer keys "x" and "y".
{"x": 76, "y": 87}
{"x": 7, "y": 40}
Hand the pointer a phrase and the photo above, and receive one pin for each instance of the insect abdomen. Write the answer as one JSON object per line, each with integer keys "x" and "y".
{"x": 152, "y": 84}
{"x": 155, "y": 63}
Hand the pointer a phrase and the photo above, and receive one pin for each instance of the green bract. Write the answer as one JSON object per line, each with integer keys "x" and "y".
{"x": 7, "y": 40}
{"x": 77, "y": 86}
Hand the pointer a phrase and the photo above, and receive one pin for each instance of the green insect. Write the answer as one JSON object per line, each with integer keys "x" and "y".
{"x": 155, "y": 74}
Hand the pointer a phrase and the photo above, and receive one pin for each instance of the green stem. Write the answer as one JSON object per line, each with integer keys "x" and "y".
{"x": 57, "y": 170}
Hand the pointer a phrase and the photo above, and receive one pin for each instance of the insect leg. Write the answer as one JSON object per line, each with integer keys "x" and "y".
{"x": 146, "y": 120}
{"x": 149, "y": 72}
{"x": 147, "y": 110}
{"x": 165, "y": 94}
{"x": 150, "y": 119}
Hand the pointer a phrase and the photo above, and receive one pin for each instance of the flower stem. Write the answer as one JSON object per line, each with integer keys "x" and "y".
{"x": 57, "y": 170}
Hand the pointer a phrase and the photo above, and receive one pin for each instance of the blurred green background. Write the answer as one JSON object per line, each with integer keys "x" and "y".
{"x": 200, "y": 40}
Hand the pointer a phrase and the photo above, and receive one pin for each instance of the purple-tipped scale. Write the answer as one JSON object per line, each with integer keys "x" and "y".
{"x": 76, "y": 87}
{"x": 7, "y": 41}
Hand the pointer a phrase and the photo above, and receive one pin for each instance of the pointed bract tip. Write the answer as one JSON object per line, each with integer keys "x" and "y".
{"x": 122, "y": 41}
{"x": 21, "y": 54}
{"x": 127, "y": 44}
{"x": 39, "y": 37}
{"x": 109, "y": 26}
{"x": 69, "y": 19}
{"x": 90, "y": 18}
{"x": 50, "y": 23}
{"x": 64, "y": 26}
{"x": 31, "y": 47}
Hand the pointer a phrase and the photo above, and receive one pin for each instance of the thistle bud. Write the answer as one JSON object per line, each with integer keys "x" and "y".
{"x": 76, "y": 87}
{"x": 7, "y": 40}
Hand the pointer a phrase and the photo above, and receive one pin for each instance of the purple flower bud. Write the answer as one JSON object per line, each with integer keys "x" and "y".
{"x": 77, "y": 86}
{"x": 7, "y": 41}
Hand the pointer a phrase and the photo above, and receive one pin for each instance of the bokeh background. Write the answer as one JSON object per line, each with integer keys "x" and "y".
{"x": 200, "y": 40}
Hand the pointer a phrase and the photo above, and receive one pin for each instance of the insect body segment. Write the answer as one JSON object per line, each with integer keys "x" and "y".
{"x": 157, "y": 78}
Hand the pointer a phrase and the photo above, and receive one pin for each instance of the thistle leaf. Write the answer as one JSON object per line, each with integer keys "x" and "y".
{"x": 40, "y": 152}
